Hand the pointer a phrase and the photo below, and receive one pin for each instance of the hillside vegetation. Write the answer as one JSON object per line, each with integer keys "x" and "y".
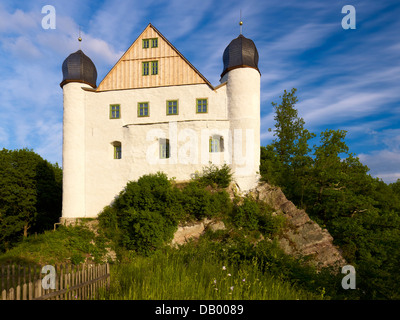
{"x": 243, "y": 261}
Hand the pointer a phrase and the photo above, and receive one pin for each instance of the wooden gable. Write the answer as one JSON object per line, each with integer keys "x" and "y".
{"x": 173, "y": 68}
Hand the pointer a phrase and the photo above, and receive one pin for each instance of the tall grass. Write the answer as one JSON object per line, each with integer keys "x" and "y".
{"x": 178, "y": 276}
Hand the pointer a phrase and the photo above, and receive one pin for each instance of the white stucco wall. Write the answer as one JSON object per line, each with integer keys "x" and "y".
{"x": 92, "y": 177}
{"x": 73, "y": 204}
{"x": 243, "y": 94}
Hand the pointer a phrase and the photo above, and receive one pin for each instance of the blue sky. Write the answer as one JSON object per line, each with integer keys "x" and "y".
{"x": 346, "y": 79}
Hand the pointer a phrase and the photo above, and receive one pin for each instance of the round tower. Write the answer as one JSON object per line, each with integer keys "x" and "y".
{"x": 78, "y": 72}
{"x": 242, "y": 78}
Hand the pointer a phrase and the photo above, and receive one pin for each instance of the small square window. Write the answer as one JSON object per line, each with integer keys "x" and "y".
{"x": 143, "y": 109}
{"x": 115, "y": 112}
{"x": 154, "y": 43}
{"x": 146, "y": 43}
{"x": 172, "y": 107}
{"x": 201, "y": 106}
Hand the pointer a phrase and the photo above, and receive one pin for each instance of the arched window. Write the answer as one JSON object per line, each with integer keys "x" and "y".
{"x": 216, "y": 143}
{"x": 117, "y": 150}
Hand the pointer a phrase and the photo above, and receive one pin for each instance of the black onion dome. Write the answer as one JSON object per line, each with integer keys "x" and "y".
{"x": 240, "y": 53}
{"x": 79, "y": 68}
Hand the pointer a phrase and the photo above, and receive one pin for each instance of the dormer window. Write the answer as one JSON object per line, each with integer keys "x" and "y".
{"x": 149, "y": 67}
{"x": 147, "y": 43}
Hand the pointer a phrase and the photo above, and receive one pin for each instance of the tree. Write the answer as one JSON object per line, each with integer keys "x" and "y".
{"x": 30, "y": 195}
{"x": 291, "y": 146}
{"x": 362, "y": 213}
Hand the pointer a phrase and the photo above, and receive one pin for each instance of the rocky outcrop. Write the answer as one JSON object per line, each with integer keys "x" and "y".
{"x": 302, "y": 237}
{"x": 194, "y": 230}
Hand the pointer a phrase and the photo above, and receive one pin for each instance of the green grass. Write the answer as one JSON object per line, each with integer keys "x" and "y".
{"x": 66, "y": 244}
{"x": 183, "y": 274}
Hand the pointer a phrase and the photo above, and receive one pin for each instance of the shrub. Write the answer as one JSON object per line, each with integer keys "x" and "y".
{"x": 146, "y": 230}
{"x": 197, "y": 201}
{"x": 246, "y": 215}
{"x": 144, "y": 215}
{"x": 211, "y": 175}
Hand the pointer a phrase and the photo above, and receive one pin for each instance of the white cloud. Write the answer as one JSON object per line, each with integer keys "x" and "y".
{"x": 23, "y": 48}
{"x": 18, "y": 22}
{"x": 384, "y": 164}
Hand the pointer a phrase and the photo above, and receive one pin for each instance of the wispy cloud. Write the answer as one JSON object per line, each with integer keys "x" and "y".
{"x": 345, "y": 79}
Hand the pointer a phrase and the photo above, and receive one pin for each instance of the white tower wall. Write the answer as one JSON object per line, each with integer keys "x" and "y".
{"x": 243, "y": 93}
{"x": 73, "y": 204}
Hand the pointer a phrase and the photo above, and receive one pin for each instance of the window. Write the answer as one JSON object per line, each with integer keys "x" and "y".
{"x": 216, "y": 143}
{"x": 147, "y": 42}
{"x": 164, "y": 148}
{"x": 117, "y": 150}
{"x": 115, "y": 111}
{"x": 149, "y": 65}
{"x": 145, "y": 68}
{"x": 201, "y": 105}
{"x": 143, "y": 109}
{"x": 154, "y": 67}
{"x": 172, "y": 107}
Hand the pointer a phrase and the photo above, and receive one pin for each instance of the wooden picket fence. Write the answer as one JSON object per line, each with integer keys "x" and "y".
{"x": 72, "y": 282}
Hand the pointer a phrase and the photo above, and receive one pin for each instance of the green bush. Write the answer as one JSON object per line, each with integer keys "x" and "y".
{"x": 253, "y": 215}
{"x": 197, "y": 201}
{"x": 145, "y": 214}
{"x": 146, "y": 231}
{"x": 246, "y": 215}
{"x": 212, "y": 175}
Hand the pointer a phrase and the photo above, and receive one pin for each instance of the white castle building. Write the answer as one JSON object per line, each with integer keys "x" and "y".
{"x": 154, "y": 111}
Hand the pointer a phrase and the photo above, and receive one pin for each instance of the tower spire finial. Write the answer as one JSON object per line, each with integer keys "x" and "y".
{"x": 240, "y": 22}
{"x": 80, "y": 38}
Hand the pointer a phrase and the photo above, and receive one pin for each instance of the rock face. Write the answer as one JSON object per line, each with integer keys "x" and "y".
{"x": 302, "y": 237}
{"x": 195, "y": 230}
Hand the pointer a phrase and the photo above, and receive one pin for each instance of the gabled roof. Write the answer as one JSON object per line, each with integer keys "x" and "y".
{"x": 173, "y": 67}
